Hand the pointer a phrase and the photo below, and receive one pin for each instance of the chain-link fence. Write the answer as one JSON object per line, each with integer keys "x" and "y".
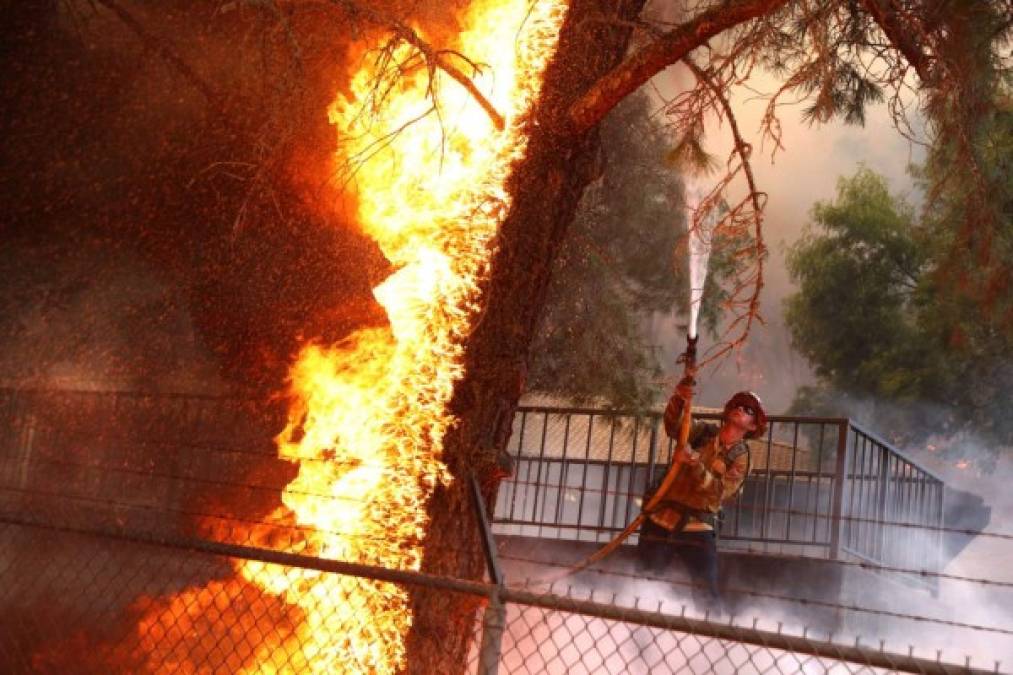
{"x": 116, "y": 557}
{"x": 88, "y": 602}
{"x": 114, "y": 602}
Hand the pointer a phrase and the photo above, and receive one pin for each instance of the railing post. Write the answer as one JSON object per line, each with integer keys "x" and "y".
{"x": 840, "y": 477}
{"x": 652, "y": 453}
{"x": 884, "y": 489}
{"x": 940, "y": 522}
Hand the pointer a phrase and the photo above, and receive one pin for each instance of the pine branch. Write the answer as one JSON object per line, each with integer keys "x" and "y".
{"x": 884, "y": 13}
{"x": 434, "y": 58}
{"x": 744, "y": 151}
{"x": 659, "y": 54}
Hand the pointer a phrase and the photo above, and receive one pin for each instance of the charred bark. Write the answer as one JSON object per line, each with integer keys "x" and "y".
{"x": 547, "y": 186}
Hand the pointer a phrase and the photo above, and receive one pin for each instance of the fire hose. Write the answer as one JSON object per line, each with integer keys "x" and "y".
{"x": 700, "y": 233}
{"x": 688, "y": 359}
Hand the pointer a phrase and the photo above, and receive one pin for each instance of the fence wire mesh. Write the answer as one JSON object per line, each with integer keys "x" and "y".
{"x": 121, "y": 552}
{"x": 552, "y": 641}
{"x": 106, "y": 603}
{"x": 76, "y": 602}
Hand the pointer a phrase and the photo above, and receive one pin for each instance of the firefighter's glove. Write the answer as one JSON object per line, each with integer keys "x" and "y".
{"x": 673, "y": 415}
{"x": 687, "y": 457}
{"x": 673, "y": 411}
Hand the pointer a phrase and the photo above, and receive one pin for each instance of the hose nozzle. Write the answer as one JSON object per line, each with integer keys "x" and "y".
{"x": 688, "y": 357}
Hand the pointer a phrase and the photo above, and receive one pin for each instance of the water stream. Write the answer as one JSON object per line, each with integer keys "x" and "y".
{"x": 700, "y": 232}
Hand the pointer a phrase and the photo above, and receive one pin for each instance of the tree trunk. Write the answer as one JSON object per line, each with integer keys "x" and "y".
{"x": 546, "y": 185}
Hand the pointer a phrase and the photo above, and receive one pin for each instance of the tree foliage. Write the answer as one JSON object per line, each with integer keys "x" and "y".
{"x": 233, "y": 123}
{"x": 857, "y": 272}
{"x": 879, "y": 314}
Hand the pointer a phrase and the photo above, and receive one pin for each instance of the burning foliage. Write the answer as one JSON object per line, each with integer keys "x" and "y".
{"x": 427, "y": 169}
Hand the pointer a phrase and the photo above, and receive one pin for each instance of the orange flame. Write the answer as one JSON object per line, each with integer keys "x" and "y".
{"x": 371, "y": 413}
{"x": 375, "y": 408}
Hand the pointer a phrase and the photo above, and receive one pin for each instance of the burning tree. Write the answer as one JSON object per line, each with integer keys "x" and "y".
{"x": 839, "y": 56}
{"x": 464, "y": 143}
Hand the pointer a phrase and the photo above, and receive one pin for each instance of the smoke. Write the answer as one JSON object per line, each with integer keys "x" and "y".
{"x": 932, "y": 432}
{"x": 977, "y": 474}
{"x": 806, "y": 171}
{"x": 93, "y": 320}
{"x": 636, "y": 648}
{"x": 961, "y": 598}
{"x": 160, "y": 238}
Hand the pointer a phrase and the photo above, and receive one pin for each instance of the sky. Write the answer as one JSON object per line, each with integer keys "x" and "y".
{"x": 806, "y": 171}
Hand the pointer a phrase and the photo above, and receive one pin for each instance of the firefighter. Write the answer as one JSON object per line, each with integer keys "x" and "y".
{"x": 682, "y": 525}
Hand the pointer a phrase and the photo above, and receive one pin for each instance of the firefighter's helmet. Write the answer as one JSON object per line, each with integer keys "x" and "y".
{"x": 752, "y": 401}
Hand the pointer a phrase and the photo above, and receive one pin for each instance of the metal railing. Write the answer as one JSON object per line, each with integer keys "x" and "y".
{"x": 881, "y": 486}
{"x": 820, "y": 487}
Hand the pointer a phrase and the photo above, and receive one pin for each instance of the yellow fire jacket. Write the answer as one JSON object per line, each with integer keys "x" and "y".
{"x": 703, "y": 486}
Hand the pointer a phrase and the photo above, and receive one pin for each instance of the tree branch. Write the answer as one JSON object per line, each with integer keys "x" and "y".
{"x": 659, "y": 54}
{"x": 744, "y": 150}
{"x": 435, "y": 58}
{"x": 884, "y": 13}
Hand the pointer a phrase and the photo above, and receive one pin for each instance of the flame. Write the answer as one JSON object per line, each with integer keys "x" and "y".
{"x": 370, "y": 414}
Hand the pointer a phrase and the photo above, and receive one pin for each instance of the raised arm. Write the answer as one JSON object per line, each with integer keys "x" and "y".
{"x": 674, "y": 409}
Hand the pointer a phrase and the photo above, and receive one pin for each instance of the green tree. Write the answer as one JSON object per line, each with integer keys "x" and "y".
{"x": 885, "y": 318}
{"x": 858, "y": 273}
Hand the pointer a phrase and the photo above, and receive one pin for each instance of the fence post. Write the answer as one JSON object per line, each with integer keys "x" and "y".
{"x": 652, "y": 453}
{"x": 840, "y": 477}
{"x": 493, "y": 625}
{"x": 940, "y": 522}
{"x": 494, "y": 619}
